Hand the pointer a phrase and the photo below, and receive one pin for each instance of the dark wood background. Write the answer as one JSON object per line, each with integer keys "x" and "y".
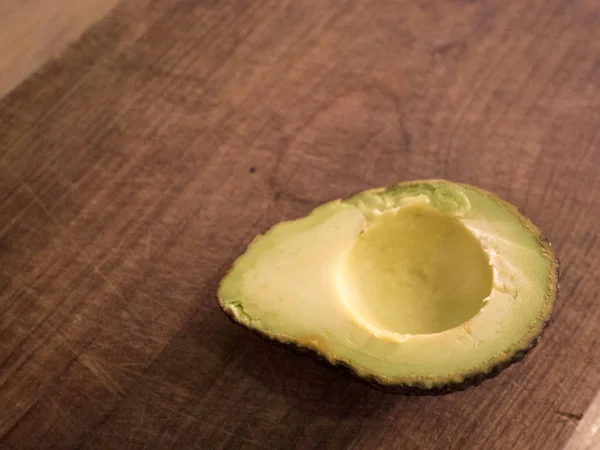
{"x": 134, "y": 168}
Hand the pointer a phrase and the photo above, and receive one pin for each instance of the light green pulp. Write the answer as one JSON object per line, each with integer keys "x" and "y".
{"x": 423, "y": 283}
{"x": 427, "y": 272}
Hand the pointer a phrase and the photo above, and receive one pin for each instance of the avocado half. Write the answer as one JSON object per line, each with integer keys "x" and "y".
{"x": 426, "y": 287}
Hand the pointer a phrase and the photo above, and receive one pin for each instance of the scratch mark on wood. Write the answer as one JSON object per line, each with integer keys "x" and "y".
{"x": 237, "y": 436}
{"x": 92, "y": 365}
{"x": 79, "y": 249}
{"x": 101, "y": 374}
{"x": 15, "y": 219}
{"x": 66, "y": 416}
{"x": 573, "y": 418}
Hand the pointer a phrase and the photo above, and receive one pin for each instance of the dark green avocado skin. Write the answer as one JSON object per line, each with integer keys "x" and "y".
{"x": 400, "y": 389}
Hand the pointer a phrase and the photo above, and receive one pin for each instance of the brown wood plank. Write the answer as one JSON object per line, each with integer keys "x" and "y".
{"x": 135, "y": 168}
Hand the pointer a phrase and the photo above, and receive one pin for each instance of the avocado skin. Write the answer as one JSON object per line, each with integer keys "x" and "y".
{"x": 405, "y": 390}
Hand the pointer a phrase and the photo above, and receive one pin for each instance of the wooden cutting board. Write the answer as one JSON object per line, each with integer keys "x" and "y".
{"x": 138, "y": 165}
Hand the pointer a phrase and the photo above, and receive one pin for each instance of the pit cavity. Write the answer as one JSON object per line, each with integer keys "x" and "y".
{"x": 416, "y": 271}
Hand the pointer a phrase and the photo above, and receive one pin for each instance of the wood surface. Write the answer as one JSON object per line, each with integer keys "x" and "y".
{"x": 138, "y": 165}
{"x": 33, "y": 31}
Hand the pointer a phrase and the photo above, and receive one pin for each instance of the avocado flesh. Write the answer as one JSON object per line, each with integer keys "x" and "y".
{"x": 425, "y": 284}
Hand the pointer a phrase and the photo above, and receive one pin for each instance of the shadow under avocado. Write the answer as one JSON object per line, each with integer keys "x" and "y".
{"x": 310, "y": 384}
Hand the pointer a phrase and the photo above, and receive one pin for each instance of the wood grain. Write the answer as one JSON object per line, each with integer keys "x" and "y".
{"x": 137, "y": 166}
{"x": 34, "y": 31}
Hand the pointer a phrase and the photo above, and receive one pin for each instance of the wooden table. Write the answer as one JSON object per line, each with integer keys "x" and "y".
{"x": 137, "y": 166}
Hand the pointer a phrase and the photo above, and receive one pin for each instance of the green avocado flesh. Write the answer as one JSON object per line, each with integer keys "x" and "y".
{"x": 422, "y": 285}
